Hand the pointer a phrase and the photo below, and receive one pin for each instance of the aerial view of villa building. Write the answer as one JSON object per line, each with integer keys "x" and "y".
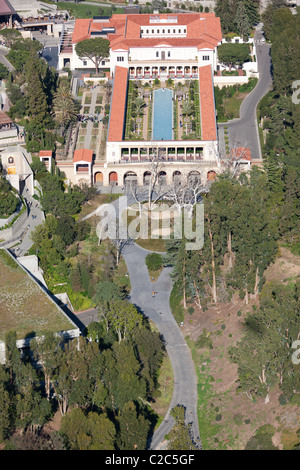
{"x": 172, "y": 57}
{"x": 150, "y": 46}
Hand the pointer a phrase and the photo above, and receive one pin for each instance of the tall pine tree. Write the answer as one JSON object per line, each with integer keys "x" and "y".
{"x": 37, "y": 99}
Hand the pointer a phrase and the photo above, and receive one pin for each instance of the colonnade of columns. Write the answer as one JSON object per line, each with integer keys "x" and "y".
{"x": 163, "y": 71}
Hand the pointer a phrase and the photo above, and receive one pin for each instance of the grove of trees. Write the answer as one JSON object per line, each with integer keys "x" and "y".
{"x": 101, "y": 388}
{"x": 40, "y": 101}
{"x": 246, "y": 220}
{"x": 238, "y": 16}
{"x": 8, "y": 198}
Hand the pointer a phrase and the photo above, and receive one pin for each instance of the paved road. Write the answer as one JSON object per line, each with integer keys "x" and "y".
{"x": 3, "y": 59}
{"x": 88, "y": 316}
{"x": 35, "y": 218}
{"x": 158, "y": 310}
{"x": 50, "y": 54}
{"x": 243, "y": 132}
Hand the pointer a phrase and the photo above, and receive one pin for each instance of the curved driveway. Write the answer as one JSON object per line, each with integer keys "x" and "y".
{"x": 243, "y": 132}
{"x": 158, "y": 310}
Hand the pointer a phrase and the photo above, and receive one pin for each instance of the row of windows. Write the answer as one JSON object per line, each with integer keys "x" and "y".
{"x": 121, "y": 58}
{"x": 204, "y": 57}
{"x": 164, "y": 31}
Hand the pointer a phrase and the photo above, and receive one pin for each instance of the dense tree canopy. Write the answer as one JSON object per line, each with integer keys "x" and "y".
{"x": 99, "y": 389}
{"x": 264, "y": 354}
{"x": 237, "y": 16}
{"x": 10, "y": 35}
{"x": 8, "y": 199}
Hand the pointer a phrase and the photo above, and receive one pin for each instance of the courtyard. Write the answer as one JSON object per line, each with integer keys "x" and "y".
{"x": 181, "y": 100}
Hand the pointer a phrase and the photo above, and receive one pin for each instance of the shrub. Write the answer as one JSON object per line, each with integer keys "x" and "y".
{"x": 262, "y": 440}
{"x": 154, "y": 261}
{"x": 191, "y": 310}
{"x": 175, "y": 303}
{"x": 282, "y": 400}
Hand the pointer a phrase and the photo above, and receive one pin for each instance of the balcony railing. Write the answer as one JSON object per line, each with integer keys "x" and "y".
{"x": 129, "y": 161}
{"x": 153, "y": 75}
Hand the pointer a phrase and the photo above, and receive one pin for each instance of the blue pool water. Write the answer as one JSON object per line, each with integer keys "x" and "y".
{"x": 162, "y": 114}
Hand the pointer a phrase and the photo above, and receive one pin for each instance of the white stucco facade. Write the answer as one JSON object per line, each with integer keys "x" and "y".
{"x": 146, "y": 40}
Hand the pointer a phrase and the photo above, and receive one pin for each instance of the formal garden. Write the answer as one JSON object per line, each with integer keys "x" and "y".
{"x": 186, "y": 109}
{"x": 94, "y": 110}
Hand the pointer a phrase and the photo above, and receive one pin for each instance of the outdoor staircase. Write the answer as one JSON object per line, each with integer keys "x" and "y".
{"x": 66, "y": 38}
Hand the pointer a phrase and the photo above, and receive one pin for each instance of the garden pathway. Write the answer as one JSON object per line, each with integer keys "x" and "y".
{"x": 90, "y": 124}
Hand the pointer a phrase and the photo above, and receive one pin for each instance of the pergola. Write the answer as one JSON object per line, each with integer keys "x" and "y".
{"x": 6, "y": 12}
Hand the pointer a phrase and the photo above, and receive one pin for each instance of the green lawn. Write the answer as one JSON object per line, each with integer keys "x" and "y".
{"x": 151, "y": 244}
{"x": 81, "y": 10}
{"x": 158, "y": 245}
{"x": 210, "y": 427}
{"x": 230, "y": 98}
{"x": 175, "y": 303}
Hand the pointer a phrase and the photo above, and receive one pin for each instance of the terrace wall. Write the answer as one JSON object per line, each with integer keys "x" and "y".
{"x": 66, "y": 335}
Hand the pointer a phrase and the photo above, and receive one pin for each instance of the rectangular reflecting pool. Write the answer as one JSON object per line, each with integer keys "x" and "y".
{"x": 162, "y": 114}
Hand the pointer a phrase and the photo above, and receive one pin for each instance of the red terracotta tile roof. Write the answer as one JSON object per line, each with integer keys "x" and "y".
{"x": 118, "y": 105}
{"x": 126, "y": 44}
{"x": 201, "y": 27}
{"x": 81, "y": 30}
{"x": 207, "y": 104}
{"x": 85, "y": 155}
{"x": 45, "y": 153}
{"x": 196, "y": 24}
{"x": 241, "y": 153}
